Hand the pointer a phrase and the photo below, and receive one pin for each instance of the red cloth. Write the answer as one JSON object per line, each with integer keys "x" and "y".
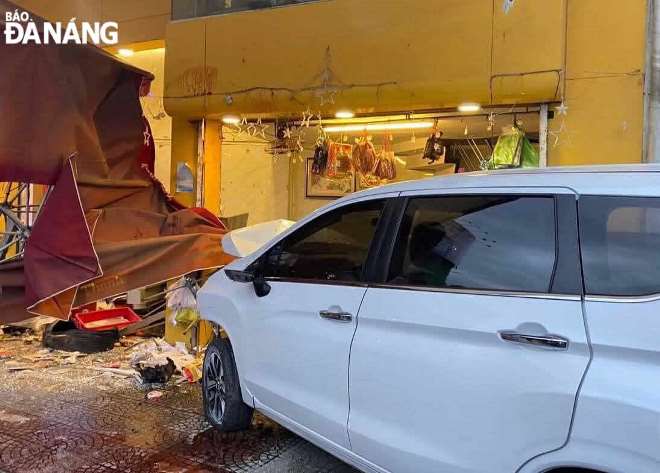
{"x": 60, "y": 243}
{"x": 147, "y": 156}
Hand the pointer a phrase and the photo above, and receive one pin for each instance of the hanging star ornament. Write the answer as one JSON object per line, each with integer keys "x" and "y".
{"x": 239, "y": 128}
{"x": 491, "y": 121}
{"x": 147, "y": 137}
{"x": 562, "y": 109}
{"x": 307, "y": 118}
{"x": 561, "y": 136}
{"x": 261, "y": 128}
{"x": 251, "y": 129}
{"x": 287, "y": 133}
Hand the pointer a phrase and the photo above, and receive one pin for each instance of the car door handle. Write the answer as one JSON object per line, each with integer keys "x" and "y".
{"x": 553, "y": 342}
{"x": 336, "y": 315}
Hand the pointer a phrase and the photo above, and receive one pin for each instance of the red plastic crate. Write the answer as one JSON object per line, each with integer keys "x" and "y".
{"x": 98, "y": 320}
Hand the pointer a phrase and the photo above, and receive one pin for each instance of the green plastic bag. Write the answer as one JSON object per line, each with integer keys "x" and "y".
{"x": 514, "y": 150}
{"x": 187, "y": 317}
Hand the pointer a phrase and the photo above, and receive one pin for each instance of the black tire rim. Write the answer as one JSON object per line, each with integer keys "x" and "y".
{"x": 216, "y": 391}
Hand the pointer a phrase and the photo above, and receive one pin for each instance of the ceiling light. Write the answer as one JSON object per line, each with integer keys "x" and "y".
{"x": 344, "y": 114}
{"x": 378, "y": 127}
{"x": 469, "y": 107}
{"x": 125, "y": 52}
{"x": 231, "y": 120}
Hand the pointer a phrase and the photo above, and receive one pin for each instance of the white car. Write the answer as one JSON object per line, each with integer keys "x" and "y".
{"x": 486, "y": 322}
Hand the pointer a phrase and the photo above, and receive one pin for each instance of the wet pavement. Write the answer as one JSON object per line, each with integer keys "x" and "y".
{"x": 61, "y": 417}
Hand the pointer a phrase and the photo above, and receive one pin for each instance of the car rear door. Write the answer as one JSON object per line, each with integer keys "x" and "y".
{"x": 469, "y": 352}
{"x": 619, "y": 409}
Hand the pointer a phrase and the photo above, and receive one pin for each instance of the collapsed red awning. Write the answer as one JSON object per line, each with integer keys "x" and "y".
{"x": 72, "y": 119}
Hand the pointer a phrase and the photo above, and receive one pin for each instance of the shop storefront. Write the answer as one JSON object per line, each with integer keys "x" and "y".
{"x": 246, "y": 85}
{"x": 287, "y": 168}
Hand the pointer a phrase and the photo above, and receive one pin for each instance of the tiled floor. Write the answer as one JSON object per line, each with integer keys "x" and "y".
{"x": 72, "y": 418}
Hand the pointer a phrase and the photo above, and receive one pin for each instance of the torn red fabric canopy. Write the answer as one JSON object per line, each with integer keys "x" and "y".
{"x": 73, "y": 121}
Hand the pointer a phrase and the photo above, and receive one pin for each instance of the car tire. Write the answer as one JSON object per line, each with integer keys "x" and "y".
{"x": 221, "y": 389}
{"x": 63, "y": 335}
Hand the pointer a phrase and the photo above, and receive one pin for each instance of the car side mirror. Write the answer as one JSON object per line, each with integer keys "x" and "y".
{"x": 239, "y": 276}
{"x": 261, "y": 286}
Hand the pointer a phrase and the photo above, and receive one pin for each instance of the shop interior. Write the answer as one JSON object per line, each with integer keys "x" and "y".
{"x": 296, "y": 166}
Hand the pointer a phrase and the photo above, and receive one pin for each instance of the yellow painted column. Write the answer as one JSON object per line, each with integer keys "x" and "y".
{"x": 212, "y": 166}
{"x": 187, "y": 147}
{"x": 184, "y": 159}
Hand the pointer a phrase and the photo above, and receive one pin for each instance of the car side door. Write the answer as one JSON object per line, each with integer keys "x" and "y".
{"x": 296, "y": 366}
{"x": 469, "y": 352}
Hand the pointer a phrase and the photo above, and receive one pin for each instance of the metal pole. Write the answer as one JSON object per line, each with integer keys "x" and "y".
{"x": 543, "y": 136}
{"x": 199, "y": 178}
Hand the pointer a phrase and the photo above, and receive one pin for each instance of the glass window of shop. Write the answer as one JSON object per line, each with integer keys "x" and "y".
{"x": 182, "y": 9}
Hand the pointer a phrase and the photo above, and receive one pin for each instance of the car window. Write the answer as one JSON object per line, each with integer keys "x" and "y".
{"x": 332, "y": 247}
{"x": 620, "y": 240}
{"x": 477, "y": 242}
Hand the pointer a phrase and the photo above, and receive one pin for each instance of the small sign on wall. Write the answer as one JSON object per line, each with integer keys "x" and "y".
{"x": 185, "y": 181}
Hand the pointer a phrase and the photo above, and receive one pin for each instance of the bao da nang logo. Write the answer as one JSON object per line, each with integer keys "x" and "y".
{"x": 20, "y": 28}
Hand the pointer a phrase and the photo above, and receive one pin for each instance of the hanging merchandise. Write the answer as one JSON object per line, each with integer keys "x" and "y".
{"x": 386, "y": 166}
{"x": 514, "y": 150}
{"x": 435, "y": 148}
{"x": 364, "y": 156}
{"x": 320, "y": 162}
{"x": 339, "y": 159}
{"x": 182, "y": 302}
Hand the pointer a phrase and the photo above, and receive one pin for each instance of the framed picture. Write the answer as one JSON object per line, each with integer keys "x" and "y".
{"x": 330, "y": 187}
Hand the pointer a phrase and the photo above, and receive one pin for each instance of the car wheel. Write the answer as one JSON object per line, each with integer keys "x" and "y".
{"x": 223, "y": 403}
{"x": 65, "y": 336}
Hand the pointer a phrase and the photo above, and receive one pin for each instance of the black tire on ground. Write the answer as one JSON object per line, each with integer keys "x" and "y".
{"x": 65, "y": 336}
{"x": 221, "y": 389}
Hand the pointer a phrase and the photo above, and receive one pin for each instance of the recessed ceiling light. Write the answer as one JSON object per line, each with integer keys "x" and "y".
{"x": 469, "y": 107}
{"x": 344, "y": 114}
{"x": 231, "y": 120}
{"x": 378, "y": 127}
{"x": 125, "y": 52}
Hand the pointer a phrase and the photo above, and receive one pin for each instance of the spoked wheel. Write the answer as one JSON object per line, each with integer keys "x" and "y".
{"x": 16, "y": 215}
{"x": 221, "y": 389}
{"x": 215, "y": 388}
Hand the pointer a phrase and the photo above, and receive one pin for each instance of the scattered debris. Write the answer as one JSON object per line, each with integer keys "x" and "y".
{"x": 118, "y": 371}
{"x": 65, "y": 336}
{"x": 156, "y": 370}
{"x": 18, "y": 366}
{"x": 151, "y": 395}
{"x": 15, "y": 330}
{"x": 193, "y": 371}
{"x": 13, "y": 418}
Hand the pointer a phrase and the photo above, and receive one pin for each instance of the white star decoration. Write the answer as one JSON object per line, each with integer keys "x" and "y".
{"x": 261, "y": 128}
{"x": 307, "y": 117}
{"x": 147, "y": 137}
{"x": 562, "y": 109}
{"x": 561, "y": 136}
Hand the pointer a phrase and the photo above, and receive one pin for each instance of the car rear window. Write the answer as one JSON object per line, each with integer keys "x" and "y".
{"x": 620, "y": 241}
{"x": 496, "y": 242}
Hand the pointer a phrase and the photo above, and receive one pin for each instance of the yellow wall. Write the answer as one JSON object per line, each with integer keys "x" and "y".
{"x": 425, "y": 54}
{"x": 253, "y": 181}
{"x": 604, "y": 85}
{"x": 153, "y": 60}
{"x": 402, "y": 55}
